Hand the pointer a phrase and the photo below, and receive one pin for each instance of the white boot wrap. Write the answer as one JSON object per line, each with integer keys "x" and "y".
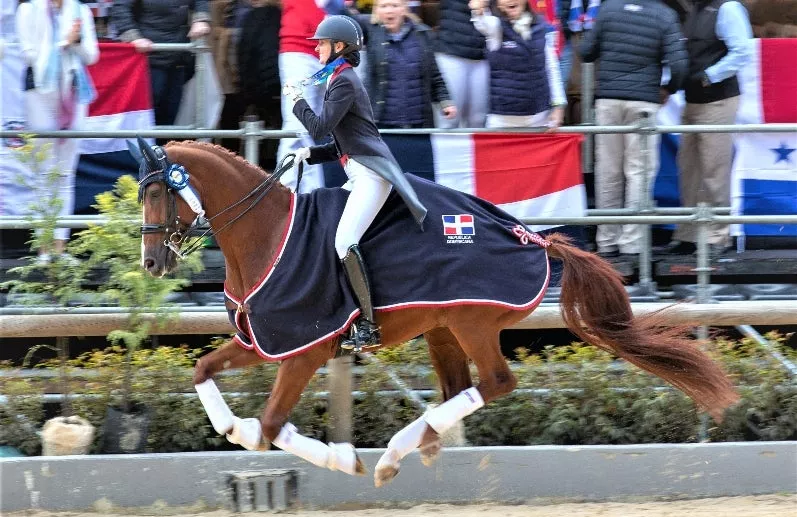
{"x": 444, "y": 416}
{"x": 219, "y": 413}
{"x": 248, "y": 433}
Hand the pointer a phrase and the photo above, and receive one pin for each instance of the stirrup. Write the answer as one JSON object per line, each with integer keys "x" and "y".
{"x": 363, "y": 334}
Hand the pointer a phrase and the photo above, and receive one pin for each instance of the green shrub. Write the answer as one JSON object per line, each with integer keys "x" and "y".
{"x": 580, "y": 396}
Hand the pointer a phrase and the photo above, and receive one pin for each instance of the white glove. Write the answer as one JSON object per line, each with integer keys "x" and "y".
{"x": 292, "y": 92}
{"x": 302, "y": 154}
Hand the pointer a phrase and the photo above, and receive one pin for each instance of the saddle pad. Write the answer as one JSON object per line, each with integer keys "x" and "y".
{"x": 470, "y": 252}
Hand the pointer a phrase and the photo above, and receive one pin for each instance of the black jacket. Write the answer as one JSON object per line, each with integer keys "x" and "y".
{"x": 258, "y": 54}
{"x": 161, "y": 21}
{"x": 632, "y": 39}
{"x": 434, "y": 87}
{"x": 347, "y": 115}
{"x": 456, "y": 35}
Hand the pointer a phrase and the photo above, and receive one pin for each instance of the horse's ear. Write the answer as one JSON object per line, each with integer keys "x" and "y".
{"x": 149, "y": 154}
{"x": 134, "y": 151}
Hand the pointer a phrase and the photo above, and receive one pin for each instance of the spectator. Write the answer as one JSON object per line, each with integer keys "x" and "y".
{"x": 719, "y": 40}
{"x": 525, "y": 85}
{"x": 576, "y": 17}
{"x": 225, "y": 19}
{"x": 58, "y": 42}
{"x": 297, "y": 62}
{"x": 258, "y": 56}
{"x": 461, "y": 59}
{"x": 403, "y": 79}
{"x": 633, "y": 40}
{"x": 144, "y": 22}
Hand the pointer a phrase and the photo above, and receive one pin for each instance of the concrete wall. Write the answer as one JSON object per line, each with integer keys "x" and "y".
{"x": 508, "y": 474}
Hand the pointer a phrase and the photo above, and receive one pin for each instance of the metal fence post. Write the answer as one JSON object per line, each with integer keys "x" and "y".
{"x": 252, "y": 129}
{"x": 340, "y": 412}
{"x": 647, "y": 126}
{"x": 587, "y": 112}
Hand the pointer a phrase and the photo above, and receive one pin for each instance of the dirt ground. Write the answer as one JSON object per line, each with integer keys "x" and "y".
{"x": 754, "y": 506}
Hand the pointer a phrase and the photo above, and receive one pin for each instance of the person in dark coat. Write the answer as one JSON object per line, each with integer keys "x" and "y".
{"x": 370, "y": 166}
{"x": 403, "y": 79}
{"x": 258, "y": 66}
{"x": 144, "y": 22}
{"x": 632, "y": 40}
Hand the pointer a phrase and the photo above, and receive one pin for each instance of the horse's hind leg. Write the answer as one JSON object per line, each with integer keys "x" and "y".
{"x": 292, "y": 378}
{"x": 453, "y": 374}
{"x": 477, "y": 332}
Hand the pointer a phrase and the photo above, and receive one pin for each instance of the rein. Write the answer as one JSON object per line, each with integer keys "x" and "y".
{"x": 176, "y": 239}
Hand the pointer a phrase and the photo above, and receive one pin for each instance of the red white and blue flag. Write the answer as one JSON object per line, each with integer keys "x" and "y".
{"x": 526, "y": 175}
{"x": 124, "y": 102}
{"x": 458, "y": 225}
{"x": 764, "y": 173}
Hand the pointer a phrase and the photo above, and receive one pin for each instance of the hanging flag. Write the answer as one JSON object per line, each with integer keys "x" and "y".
{"x": 764, "y": 177}
{"x": 124, "y": 102}
{"x": 537, "y": 175}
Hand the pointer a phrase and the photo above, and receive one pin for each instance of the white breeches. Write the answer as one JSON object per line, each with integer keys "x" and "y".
{"x": 369, "y": 192}
{"x": 42, "y": 115}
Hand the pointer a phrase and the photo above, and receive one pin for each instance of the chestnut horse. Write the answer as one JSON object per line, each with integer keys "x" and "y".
{"x": 245, "y": 209}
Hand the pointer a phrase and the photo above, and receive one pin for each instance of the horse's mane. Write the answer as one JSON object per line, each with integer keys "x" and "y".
{"x": 225, "y": 154}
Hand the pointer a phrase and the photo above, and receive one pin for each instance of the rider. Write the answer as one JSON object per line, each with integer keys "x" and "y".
{"x": 370, "y": 166}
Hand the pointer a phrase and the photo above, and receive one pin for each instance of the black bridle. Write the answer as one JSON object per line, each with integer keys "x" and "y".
{"x": 176, "y": 235}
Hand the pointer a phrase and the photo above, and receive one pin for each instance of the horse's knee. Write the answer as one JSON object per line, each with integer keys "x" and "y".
{"x": 271, "y": 426}
{"x": 501, "y": 383}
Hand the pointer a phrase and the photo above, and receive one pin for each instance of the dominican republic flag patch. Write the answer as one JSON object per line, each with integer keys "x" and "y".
{"x": 459, "y": 229}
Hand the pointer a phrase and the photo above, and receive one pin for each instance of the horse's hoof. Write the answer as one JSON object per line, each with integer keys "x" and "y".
{"x": 430, "y": 453}
{"x": 359, "y": 467}
{"x": 384, "y": 475}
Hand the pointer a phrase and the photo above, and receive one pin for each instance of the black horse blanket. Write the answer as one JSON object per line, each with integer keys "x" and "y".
{"x": 470, "y": 252}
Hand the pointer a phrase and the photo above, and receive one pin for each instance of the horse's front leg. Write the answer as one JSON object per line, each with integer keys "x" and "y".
{"x": 292, "y": 378}
{"x": 231, "y": 355}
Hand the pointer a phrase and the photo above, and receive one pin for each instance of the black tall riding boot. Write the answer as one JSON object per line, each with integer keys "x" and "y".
{"x": 364, "y": 330}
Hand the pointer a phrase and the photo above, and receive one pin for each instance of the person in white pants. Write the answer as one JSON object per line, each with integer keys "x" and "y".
{"x": 58, "y": 41}
{"x": 368, "y": 162}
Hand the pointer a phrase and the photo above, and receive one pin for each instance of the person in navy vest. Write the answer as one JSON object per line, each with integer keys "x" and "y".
{"x": 526, "y": 87}
{"x": 403, "y": 79}
{"x": 370, "y": 166}
{"x": 719, "y": 43}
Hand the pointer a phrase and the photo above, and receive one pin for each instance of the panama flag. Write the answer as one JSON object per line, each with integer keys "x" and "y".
{"x": 527, "y": 175}
{"x": 765, "y": 164}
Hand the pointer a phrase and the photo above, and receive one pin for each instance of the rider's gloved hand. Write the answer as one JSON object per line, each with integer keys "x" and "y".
{"x": 292, "y": 92}
{"x": 302, "y": 154}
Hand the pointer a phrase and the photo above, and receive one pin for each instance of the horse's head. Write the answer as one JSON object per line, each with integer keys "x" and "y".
{"x": 170, "y": 208}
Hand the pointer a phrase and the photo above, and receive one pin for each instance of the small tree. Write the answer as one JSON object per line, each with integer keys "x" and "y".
{"x": 116, "y": 247}
{"x": 57, "y": 279}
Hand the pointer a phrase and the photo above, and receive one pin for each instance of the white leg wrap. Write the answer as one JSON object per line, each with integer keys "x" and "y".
{"x": 219, "y": 413}
{"x": 248, "y": 433}
{"x": 403, "y": 443}
{"x": 335, "y": 456}
{"x": 444, "y": 416}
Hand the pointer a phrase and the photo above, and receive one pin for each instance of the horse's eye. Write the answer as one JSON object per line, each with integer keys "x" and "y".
{"x": 155, "y": 193}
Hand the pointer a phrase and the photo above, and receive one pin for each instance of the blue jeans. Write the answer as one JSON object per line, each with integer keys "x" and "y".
{"x": 167, "y": 92}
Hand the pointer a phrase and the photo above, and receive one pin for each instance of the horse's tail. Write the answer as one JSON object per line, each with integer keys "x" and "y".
{"x": 595, "y": 306}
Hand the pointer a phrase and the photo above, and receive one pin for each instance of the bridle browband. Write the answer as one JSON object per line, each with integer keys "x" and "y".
{"x": 176, "y": 179}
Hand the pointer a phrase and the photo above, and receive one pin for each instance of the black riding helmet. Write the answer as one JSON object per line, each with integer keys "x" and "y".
{"x": 340, "y": 28}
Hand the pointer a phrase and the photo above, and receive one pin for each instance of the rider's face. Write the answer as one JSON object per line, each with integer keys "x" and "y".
{"x": 324, "y": 49}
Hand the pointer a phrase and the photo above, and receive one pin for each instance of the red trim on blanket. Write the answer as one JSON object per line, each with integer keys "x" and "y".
{"x": 278, "y": 253}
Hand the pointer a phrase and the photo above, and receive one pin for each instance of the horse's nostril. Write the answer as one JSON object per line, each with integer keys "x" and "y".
{"x": 149, "y": 264}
